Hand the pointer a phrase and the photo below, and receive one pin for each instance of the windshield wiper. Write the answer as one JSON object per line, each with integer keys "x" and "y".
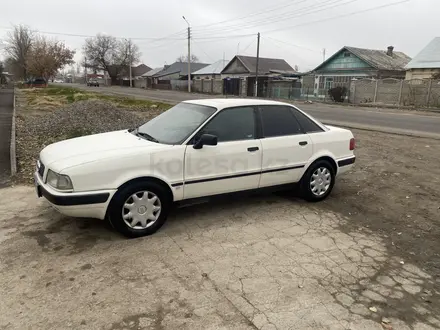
{"x": 146, "y": 136}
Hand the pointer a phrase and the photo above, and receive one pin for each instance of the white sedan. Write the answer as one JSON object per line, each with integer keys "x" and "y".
{"x": 195, "y": 149}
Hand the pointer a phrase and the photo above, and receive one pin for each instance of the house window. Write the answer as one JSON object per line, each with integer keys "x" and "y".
{"x": 347, "y": 54}
{"x": 321, "y": 82}
{"x": 328, "y": 83}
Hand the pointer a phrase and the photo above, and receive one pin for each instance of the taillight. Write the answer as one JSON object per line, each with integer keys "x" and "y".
{"x": 352, "y": 144}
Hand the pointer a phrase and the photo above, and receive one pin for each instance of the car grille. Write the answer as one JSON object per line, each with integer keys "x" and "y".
{"x": 41, "y": 169}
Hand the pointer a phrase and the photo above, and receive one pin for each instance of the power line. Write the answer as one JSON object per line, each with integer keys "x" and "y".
{"x": 339, "y": 16}
{"x": 226, "y": 36}
{"x": 246, "y": 48}
{"x": 172, "y": 36}
{"x": 290, "y": 44}
{"x": 294, "y": 54}
{"x": 198, "y": 46}
{"x": 264, "y": 11}
{"x": 301, "y": 12}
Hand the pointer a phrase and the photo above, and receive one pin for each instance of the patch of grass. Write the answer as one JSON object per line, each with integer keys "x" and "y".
{"x": 53, "y": 97}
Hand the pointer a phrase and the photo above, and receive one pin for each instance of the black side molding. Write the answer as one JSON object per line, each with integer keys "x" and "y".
{"x": 74, "y": 200}
{"x": 346, "y": 162}
{"x": 177, "y": 184}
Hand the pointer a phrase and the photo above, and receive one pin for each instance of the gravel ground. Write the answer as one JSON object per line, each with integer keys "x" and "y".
{"x": 394, "y": 190}
{"x": 34, "y": 132}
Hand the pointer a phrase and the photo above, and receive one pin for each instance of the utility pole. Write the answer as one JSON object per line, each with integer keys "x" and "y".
{"x": 256, "y": 67}
{"x": 323, "y": 55}
{"x": 189, "y": 55}
{"x": 238, "y": 48}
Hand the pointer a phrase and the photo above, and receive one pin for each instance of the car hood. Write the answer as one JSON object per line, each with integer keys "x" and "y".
{"x": 86, "y": 149}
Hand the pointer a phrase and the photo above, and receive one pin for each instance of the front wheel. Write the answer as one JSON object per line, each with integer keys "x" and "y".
{"x": 318, "y": 181}
{"x": 139, "y": 209}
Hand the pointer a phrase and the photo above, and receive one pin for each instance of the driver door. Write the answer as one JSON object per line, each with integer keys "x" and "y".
{"x": 234, "y": 164}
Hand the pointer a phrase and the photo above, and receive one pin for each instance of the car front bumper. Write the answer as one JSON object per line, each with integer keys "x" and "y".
{"x": 84, "y": 204}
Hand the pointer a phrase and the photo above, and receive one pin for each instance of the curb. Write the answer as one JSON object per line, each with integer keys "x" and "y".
{"x": 13, "y": 154}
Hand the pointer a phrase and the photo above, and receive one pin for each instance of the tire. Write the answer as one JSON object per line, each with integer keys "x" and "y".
{"x": 319, "y": 172}
{"x": 135, "y": 212}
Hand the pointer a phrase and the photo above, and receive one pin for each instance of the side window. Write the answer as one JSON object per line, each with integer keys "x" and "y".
{"x": 307, "y": 125}
{"x": 278, "y": 121}
{"x": 233, "y": 124}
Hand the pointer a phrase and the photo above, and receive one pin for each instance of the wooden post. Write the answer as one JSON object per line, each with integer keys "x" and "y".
{"x": 375, "y": 92}
{"x": 429, "y": 93}
{"x": 400, "y": 92}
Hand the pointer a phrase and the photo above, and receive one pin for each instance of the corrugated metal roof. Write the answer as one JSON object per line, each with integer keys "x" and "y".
{"x": 379, "y": 58}
{"x": 214, "y": 68}
{"x": 428, "y": 58}
{"x": 152, "y": 72}
{"x": 180, "y": 67}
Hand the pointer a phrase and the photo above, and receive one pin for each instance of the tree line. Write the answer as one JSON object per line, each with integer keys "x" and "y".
{"x": 30, "y": 54}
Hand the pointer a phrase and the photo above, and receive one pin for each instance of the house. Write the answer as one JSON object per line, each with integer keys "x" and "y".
{"x": 355, "y": 63}
{"x": 426, "y": 64}
{"x": 212, "y": 71}
{"x": 177, "y": 71}
{"x": 209, "y": 78}
{"x": 175, "y": 76}
{"x": 239, "y": 74}
{"x": 121, "y": 74}
{"x": 138, "y": 71}
{"x": 148, "y": 76}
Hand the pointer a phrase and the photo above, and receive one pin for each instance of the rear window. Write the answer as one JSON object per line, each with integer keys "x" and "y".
{"x": 278, "y": 121}
{"x": 306, "y": 123}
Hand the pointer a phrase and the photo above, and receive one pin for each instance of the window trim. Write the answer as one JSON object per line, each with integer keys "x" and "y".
{"x": 289, "y": 108}
{"x": 257, "y": 127}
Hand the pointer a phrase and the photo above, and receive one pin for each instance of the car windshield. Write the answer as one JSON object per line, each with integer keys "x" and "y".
{"x": 176, "y": 124}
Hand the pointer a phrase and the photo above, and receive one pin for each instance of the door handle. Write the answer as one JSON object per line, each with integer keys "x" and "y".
{"x": 252, "y": 149}
{"x": 303, "y": 143}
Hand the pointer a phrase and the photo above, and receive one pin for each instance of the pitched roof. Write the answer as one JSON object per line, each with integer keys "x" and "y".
{"x": 139, "y": 70}
{"x": 214, "y": 68}
{"x": 152, "y": 72}
{"x": 265, "y": 65}
{"x": 378, "y": 59}
{"x": 122, "y": 70}
{"x": 181, "y": 68}
{"x": 428, "y": 58}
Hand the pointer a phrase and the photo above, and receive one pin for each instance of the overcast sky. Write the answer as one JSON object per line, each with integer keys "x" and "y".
{"x": 296, "y": 30}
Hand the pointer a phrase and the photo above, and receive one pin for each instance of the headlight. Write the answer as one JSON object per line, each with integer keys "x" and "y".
{"x": 59, "y": 181}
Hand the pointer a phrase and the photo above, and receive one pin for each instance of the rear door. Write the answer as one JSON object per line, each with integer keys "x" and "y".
{"x": 286, "y": 148}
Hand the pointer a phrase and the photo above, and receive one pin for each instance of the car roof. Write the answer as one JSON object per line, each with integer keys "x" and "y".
{"x": 233, "y": 102}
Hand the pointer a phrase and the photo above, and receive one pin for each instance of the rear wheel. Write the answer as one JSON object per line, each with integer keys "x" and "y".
{"x": 318, "y": 181}
{"x": 139, "y": 209}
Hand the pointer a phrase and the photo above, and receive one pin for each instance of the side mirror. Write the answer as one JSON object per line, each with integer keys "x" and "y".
{"x": 205, "y": 139}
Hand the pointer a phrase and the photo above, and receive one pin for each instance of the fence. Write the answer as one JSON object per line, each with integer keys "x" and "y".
{"x": 212, "y": 86}
{"x": 296, "y": 93}
{"x": 415, "y": 93}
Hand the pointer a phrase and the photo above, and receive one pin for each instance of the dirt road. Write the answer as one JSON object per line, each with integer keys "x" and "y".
{"x": 368, "y": 254}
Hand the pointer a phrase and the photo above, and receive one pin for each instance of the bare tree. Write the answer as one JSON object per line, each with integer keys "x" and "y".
{"x": 19, "y": 43}
{"x": 296, "y": 68}
{"x": 47, "y": 56}
{"x": 184, "y": 59}
{"x": 436, "y": 76}
{"x": 110, "y": 54}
